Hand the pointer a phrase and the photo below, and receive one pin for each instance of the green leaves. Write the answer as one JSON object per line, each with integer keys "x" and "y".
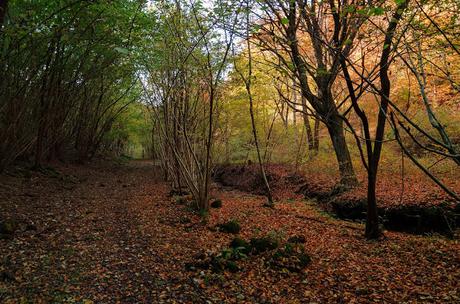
{"x": 377, "y": 11}
{"x": 349, "y": 8}
{"x": 284, "y": 20}
{"x": 256, "y": 28}
{"x": 121, "y": 50}
{"x": 372, "y": 11}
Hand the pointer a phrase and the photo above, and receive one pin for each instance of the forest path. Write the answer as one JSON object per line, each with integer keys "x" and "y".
{"x": 95, "y": 233}
{"x": 109, "y": 234}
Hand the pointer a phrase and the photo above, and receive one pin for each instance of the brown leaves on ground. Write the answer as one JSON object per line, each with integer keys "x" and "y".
{"x": 393, "y": 190}
{"x": 113, "y": 235}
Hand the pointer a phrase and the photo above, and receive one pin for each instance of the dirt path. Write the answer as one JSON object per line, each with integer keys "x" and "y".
{"x": 111, "y": 234}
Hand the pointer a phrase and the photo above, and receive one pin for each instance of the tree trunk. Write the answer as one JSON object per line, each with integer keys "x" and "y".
{"x": 372, "y": 225}
{"x": 306, "y": 121}
{"x": 316, "y": 135}
{"x": 323, "y": 104}
{"x": 372, "y": 220}
{"x": 347, "y": 173}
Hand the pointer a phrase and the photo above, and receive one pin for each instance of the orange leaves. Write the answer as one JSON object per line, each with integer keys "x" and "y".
{"x": 129, "y": 245}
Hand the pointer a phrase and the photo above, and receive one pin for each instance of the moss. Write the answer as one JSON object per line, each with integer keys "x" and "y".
{"x": 230, "y": 227}
{"x": 217, "y": 203}
{"x": 291, "y": 257}
{"x": 232, "y": 266}
{"x": 240, "y": 244}
{"x": 264, "y": 244}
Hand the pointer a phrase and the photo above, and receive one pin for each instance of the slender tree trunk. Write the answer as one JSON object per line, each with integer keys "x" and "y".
{"x": 306, "y": 121}
{"x": 347, "y": 174}
{"x": 251, "y": 112}
{"x": 372, "y": 225}
{"x": 435, "y": 123}
{"x": 372, "y": 221}
{"x": 316, "y": 135}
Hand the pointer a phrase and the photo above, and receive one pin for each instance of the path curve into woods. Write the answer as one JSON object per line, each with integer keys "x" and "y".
{"x": 108, "y": 234}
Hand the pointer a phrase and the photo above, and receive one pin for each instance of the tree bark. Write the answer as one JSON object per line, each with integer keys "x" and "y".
{"x": 372, "y": 221}
{"x": 372, "y": 225}
{"x": 347, "y": 174}
{"x": 323, "y": 103}
{"x": 306, "y": 121}
{"x": 316, "y": 135}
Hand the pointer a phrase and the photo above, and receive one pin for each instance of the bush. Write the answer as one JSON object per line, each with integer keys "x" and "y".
{"x": 230, "y": 227}
{"x": 217, "y": 203}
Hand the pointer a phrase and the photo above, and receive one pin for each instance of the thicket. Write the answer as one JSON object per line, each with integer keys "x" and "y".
{"x": 67, "y": 74}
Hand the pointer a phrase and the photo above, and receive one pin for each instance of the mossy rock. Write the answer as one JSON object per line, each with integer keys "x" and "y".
{"x": 240, "y": 244}
{"x": 264, "y": 244}
{"x": 291, "y": 257}
{"x": 219, "y": 264}
{"x": 217, "y": 203}
{"x": 230, "y": 227}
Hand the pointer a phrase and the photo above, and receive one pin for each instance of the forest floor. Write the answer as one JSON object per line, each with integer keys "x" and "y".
{"x": 112, "y": 234}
